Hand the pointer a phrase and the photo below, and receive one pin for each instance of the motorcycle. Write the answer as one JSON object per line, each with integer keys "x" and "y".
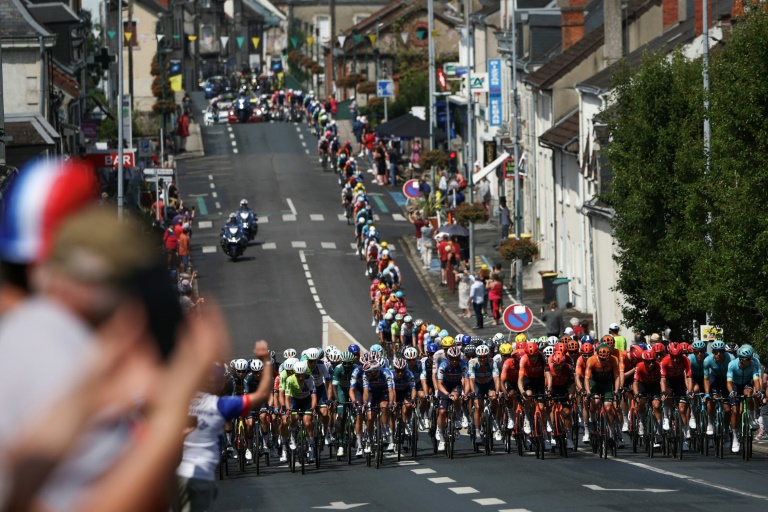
{"x": 249, "y": 222}
{"x": 243, "y": 109}
{"x": 233, "y": 241}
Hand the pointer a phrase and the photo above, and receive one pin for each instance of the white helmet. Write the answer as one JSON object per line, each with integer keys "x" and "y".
{"x": 398, "y": 316}
{"x": 256, "y": 365}
{"x": 549, "y": 350}
{"x": 388, "y": 316}
{"x": 434, "y": 333}
{"x": 232, "y": 363}
{"x": 552, "y": 341}
{"x": 334, "y": 355}
{"x": 498, "y": 337}
{"x": 289, "y": 353}
{"x": 329, "y": 349}
{"x": 482, "y": 350}
{"x": 244, "y": 202}
{"x": 313, "y": 354}
{"x": 241, "y": 365}
{"x": 408, "y": 319}
{"x": 289, "y": 363}
{"x": 410, "y": 353}
{"x": 300, "y": 367}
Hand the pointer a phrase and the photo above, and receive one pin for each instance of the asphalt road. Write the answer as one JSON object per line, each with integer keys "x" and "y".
{"x": 301, "y": 272}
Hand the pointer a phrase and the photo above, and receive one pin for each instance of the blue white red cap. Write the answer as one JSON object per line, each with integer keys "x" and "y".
{"x": 43, "y": 194}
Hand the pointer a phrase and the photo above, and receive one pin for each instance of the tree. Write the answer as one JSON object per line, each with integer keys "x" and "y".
{"x": 656, "y": 159}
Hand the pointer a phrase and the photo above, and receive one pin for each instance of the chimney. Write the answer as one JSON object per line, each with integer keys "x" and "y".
{"x": 613, "y": 49}
{"x": 670, "y": 12}
{"x": 572, "y": 16}
{"x": 698, "y": 12}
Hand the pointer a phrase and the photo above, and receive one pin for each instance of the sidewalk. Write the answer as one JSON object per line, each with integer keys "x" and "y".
{"x": 194, "y": 148}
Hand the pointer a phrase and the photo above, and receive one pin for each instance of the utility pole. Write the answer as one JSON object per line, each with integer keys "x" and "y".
{"x": 120, "y": 144}
{"x": 332, "y": 44}
{"x": 431, "y": 28}
{"x": 470, "y": 142}
{"x": 2, "y": 110}
{"x": 518, "y": 202}
{"x": 130, "y": 50}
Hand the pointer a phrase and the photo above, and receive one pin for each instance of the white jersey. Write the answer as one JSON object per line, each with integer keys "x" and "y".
{"x": 202, "y": 451}
{"x": 321, "y": 375}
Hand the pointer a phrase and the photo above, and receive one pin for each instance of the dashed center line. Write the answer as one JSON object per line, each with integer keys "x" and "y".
{"x": 205, "y": 224}
{"x": 209, "y": 249}
{"x": 316, "y": 217}
{"x": 328, "y": 245}
{"x": 442, "y": 480}
{"x": 299, "y": 245}
{"x": 262, "y": 220}
{"x": 489, "y": 501}
{"x": 423, "y": 471}
{"x": 269, "y": 245}
{"x": 213, "y": 185}
{"x": 289, "y": 218}
{"x": 463, "y": 490}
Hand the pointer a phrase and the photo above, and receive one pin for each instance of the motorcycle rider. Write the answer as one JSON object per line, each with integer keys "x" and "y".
{"x": 233, "y": 222}
{"x": 251, "y": 217}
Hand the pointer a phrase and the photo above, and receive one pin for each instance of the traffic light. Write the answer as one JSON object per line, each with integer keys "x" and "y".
{"x": 453, "y": 164}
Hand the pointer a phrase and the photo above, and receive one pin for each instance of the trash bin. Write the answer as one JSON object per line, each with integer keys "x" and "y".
{"x": 547, "y": 276}
{"x": 562, "y": 291}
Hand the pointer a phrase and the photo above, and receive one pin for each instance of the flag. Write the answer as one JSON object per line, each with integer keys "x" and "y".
{"x": 224, "y": 41}
{"x": 255, "y": 41}
{"x": 404, "y": 37}
{"x": 240, "y": 40}
{"x": 342, "y": 40}
{"x": 192, "y": 38}
{"x": 372, "y": 37}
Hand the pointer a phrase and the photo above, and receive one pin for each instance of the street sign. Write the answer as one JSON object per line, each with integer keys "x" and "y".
{"x": 479, "y": 82}
{"x": 385, "y": 89}
{"x": 158, "y": 171}
{"x": 710, "y": 333}
{"x": 441, "y": 79}
{"x": 109, "y": 158}
{"x": 411, "y": 189}
{"x": 145, "y": 148}
{"x": 517, "y": 317}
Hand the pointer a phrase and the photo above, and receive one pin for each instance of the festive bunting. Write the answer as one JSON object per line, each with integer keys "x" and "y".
{"x": 342, "y": 40}
{"x": 404, "y": 37}
{"x": 240, "y": 40}
{"x": 160, "y": 37}
{"x": 310, "y": 40}
{"x": 421, "y": 34}
{"x": 111, "y": 33}
{"x": 388, "y": 39}
{"x": 192, "y": 38}
{"x": 434, "y": 34}
{"x": 295, "y": 42}
{"x": 357, "y": 37}
{"x": 372, "y": 37}
{"x": 128, "y": 35}
{"x": 451, "y": 35}
{"x": 176, "y": 36}
{"x": 224, "y": 40}
{"x": 255, "y": 41}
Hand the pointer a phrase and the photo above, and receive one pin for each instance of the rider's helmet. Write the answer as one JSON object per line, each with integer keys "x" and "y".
{"x": 470, "y": 351}
{"x": 549, "y": 351}
{"x": 300, "y": 368}
{"x": 453, "y": 352}
{"x": 505, "y": 349}
{"x": 608, "y": 340}
{"x": 648, "y": 355}
{"x": 376, "y": 348}
{"x": 240, "y": 365}
{"x": 635, "y": 352}
{"x": 388, "y": 317}
{"x": 313, "y": 354}
{"x": 371, "y": 366}
{"x": 354, "y": 348}
{"x": 482, "y": 351}
{"x": 448, "y": 342}
{"x": 604, "y": 351}
{"x": 731, "y": 347}
{"x": 498, "y": 337}
{"x": 552, "y": 341}
{"x": 686, "y": 347}
{"x": 398, "y": 316}
{"x": 410, "y": 353}
{"x": 561, "y": 347}
{"x": 699, "y": 345}
{"x": 520, "y": 338}
{"x": 289, "y": 364}
{"x": 256, "y": 365}
{"x": 399, "y": 363}
{"x": 244, "y": 202}
{"x": 407, "y": 319}
{"x": 329, "y": 349}
{"x": 745, "y": 352}
{"x": 675, "y": 349}
{"x": 232, "y": 216}
{"x": 557, "y": 359}
{"x": 717, "y": 345}
{"x": 572, "y": 346}
{"x": 587, "y": 349}
{"x": 587, "y": 339}
{"x": 531, "y": 349}
{"x": 289, "y": 353}
{"x": 347, "y": 357}
{"x": 431, "y": 348}
{"x": 334, "y": 356}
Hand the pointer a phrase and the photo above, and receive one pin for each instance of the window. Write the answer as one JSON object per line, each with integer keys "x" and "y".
{"x": 33, "y": 93}
{"x": 130, "y": 27}
{"x": 323, "y": 25}
{"x": 357, "y": 18}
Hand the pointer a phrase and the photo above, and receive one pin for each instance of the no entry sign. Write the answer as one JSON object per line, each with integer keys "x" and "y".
{"x": 517, "y": 317}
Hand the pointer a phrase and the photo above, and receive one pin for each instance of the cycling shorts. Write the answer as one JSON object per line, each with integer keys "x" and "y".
{"x": 559, "y": 391}
{"x": 601, "y": 389}
{"x": 676, "y": 387}
{"x": 452, "y": 388}
{"x": 481, "y": 390}
{"x": 534, "y": 385}
{"x": 649, "y": 390}
{"x": 342, "y": 394}
{"x": 301, "y": 405}
{"x": 377, "y": 398}
{"x": 407, "y": 340}
{"x": 698, "y": 380}
{"x": 739, "y": 388}
{"x": 402, "y": 396}
{"x": 322, "y": 395}
{"x": 718, "y": 386}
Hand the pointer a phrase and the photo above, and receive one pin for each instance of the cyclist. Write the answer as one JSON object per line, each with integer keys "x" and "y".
{"x": 340, "y": 384}
{"x": 356, "y": 396}
{"x": 427, "y": 382}
{"x": 284, "y": 403}
{"x": 648, "y": 384}
{"x": 697, "y": 358}
{"x": 632, "y": 358}
{"x": 744, "y": 376}
{"x": 250, "y": 384}
{"x": 302, "y": 395}
{"x": 322, "y": 381}
{"x": 675, "y": 383}
{"x": 394, "y": 335}
{"x": 410, "y": 354}
{"x": 451, "y": 383}
{"x": 407, "y": 330}
{"x": 440, "y": 356}
{"x": 322, "y": 148}
{"x": 716, "y": 382}
{"x": 559, "y": 377}
{"x": 405, "y": 395}
{"x": 585, "y": 352}
{"x": 379, "y": 389}
{"x": 483, "y": 378}
{"x": 602, "y": 380}
{"x": 234, "y": 386}
{"x": 531, "y": 382}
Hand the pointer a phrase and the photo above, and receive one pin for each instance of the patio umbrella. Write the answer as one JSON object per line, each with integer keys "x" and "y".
{"x": 453, "y": 230}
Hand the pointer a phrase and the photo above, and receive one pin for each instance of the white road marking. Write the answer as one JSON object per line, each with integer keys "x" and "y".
{"x": 654, "y": 491}
{"x": 353, "y": 245}
{"x": 316, "y": 217}
{"x": 376, "y": 217}
{"x": 316, "y": 299}
{"x": 289, "y": 218}
{"x": 313, "y": 290}
{"x": 463, "y": 490}
{"x": 214, "y": 194}
{"x": 306, "y": 150}
{"x": 218, "y": 205}
{"x": 306, "y": 267}
{"x": 441, "y": 480}
{"x": 205, "y": 224}
{"x": 397, "y": 216}
{"x": 301, "y": 136}
{"x": 234, "y": 150}
{"x": 299, "y": 245}
{"x": 234, "y": 143}
{"x": 269, "y": 245}
{"x": 322, "y": 311}
{"x": 342, "y": 217}
{"x": 209, "y": 249}
{"x": 328, "y": 245}
{"x": 213, "y": 185}
{"x": 423, "y": 471}
{"x": 210, "y": 176}
{"x": 302, "y": 257}
{"x": 310, "y": 282}
{"x": 303, "y": 143}
{"x": 231, "y": 135}
{"x": 391, "y": 247}
{"x": 489, "y": 501}
{"x": 402, "y": 462}
{"x": 514, "y": 510}
{"x": 290, "y": 205}
{"x": 307, "y": 275}
{"x": 262, "y": 220}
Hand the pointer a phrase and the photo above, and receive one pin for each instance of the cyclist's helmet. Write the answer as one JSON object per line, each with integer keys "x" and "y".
{"x": 731, "y": 347}
{"x": 347, "y": 357}
{"x": 376, "y": 348}
{"x": 313, "y": 354}
{"x": 505, "y": 349}
{"x": 498, "y": 337}
{"x": 329, "y": 349}
{"x": 407, "y": 319}
{"x": 241, "y": 365}
{"x": 659, "y": 348}
{"x": 448, "y": 342}
{"x": 549, "y": 351}
{"x": 398, "y": 294}
{"x": 465, "y": 339}
{"x": 521, "y": 338}
{"x": 608, "y": 340}
{"x": 288, "y": 353}
{"x": 389, "y": 316}
{"x": 561, "y": 347}
{"x": 552, "y": 340}
{"x": 443, "y": 333}
{"x": 232, "y": 363}
{"x": 648, "y": 355}
{"x": 256, "y": 365}
{"x": 365, "y": 358}
{"x": 434, "y": 332}
{"x": 565, "y": 339}
{"x": 587, "y": 339}
{"x": 699, "y": 345}
{"x": 354, "y": 348}
{"x": 635, "y": 352}
{"x": 410, "y": 353}
{"x": 686, "y": 348}
{"x": 418, "y": 323}
{"x": 334, "y": 356}
{"x": 431, "y": 348}
{"x": 454, "y": 352}
{"x": 572, "y": 346}
{"x": 745, "y": 352}
{"x": 300, "y": 368}
{"x": 244, "y": 202}
{"x": 587, "y": 349}
{"x": 399, "y": 363}
{"x": 371, "y": 366}
{"x": 398, "y": 316}
{"x": 557, "y": 359}
{"x": 376, "y": 356}
{"x": 604, "y": 351}
{"x": 470, "y": 351}
{"x": 675, "y": 349}
{"x": 522, "y": 345}
{"x": 482, "y": 351}
{"x": 717, "y": 345}
{"x": 531, "y": 349}
{"x": 289, "y": 363}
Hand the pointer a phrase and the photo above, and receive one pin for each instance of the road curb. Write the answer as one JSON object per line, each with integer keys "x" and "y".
{"x": 406, "y": 244}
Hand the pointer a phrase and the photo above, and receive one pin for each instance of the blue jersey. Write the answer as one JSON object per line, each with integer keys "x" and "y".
{"x": 447, "y": 373}
{"x": 712, "y": 370}
{"x": 405, "y": 383}
{"x": 697, "y": 368}
{"x": 380, "y": 383}
{"x": 741, "y": 377}
{"x": 482, "y": 373}
{"x": 356, "y": 381}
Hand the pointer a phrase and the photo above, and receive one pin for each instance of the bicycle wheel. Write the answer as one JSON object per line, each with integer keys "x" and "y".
{"x": 414, "y": 436}
{"x": 292, "y": 460}
{"x": 257, "y": 440}
{"x": 349, "y": 436}
{"x": 538, "y": 432}
{"x": 399, "y": 436}
{"x": 519, "y": 434}
{"x": 634, "y": 424}
{"x": 303, "y": 451}
{"x": 449, "y": 433}
{"x": 575, "y": 426}
{"x": 650, "y": 434}
{"x": 241, "y": 452}
{"x": 378, "y": 445}
{"x": 488, "y": 421}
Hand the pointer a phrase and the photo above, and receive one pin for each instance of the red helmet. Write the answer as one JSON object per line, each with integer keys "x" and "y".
{"x": 560, "y": 347}
{"x": 532, "y": 348}
{"x": 675, "y": 349}
{"x": 648, "y": 355}
{"x": 658, "y": 348}
{"x": 376, "y": 282}
{"x": 608, "y": 340}
{"x": 402, "y": 311}
{"x": 686, "y": 348}
{"x": 635, "y": 352}
{"x": 587, "y": 349}
{"x": 557, "y": 358}
{"x": 521, "y": 345}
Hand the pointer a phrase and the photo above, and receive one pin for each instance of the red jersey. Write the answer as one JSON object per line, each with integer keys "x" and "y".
{"x": 675, "y": 370}
{"x": 530, "y": 369}
{"x": 563, "y": 378}
{"x": 646, "y": 376}
{"x": 510, "y": 370}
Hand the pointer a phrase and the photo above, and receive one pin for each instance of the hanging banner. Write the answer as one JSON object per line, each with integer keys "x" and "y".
{"x": 128, "y": 35}
{"x": 388, "y": 39}
{"x": 310, "y": 40}
{"x": 372, "y": 37}
{"x": 160, "y": 37}
{"x": 295, "y": 42}
{"x": 342, "y": 40}
{"x": 176, "y": 36}
{"x": 404, "y": 37}
{"x": 224, "y": 41}
{"x": 357, "y": 37}
{"x": 434, "y": 34}
{"x": 255, "y": 41}
{"x": 192, "y": 38}
{"x": 495, "y": 112}
{"x": 240, "y": 40}
{"x": 111, "y": 33}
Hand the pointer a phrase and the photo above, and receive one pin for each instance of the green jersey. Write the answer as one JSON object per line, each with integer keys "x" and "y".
{"x": 294, "y": 390}
{"x": 341, "y": 377}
